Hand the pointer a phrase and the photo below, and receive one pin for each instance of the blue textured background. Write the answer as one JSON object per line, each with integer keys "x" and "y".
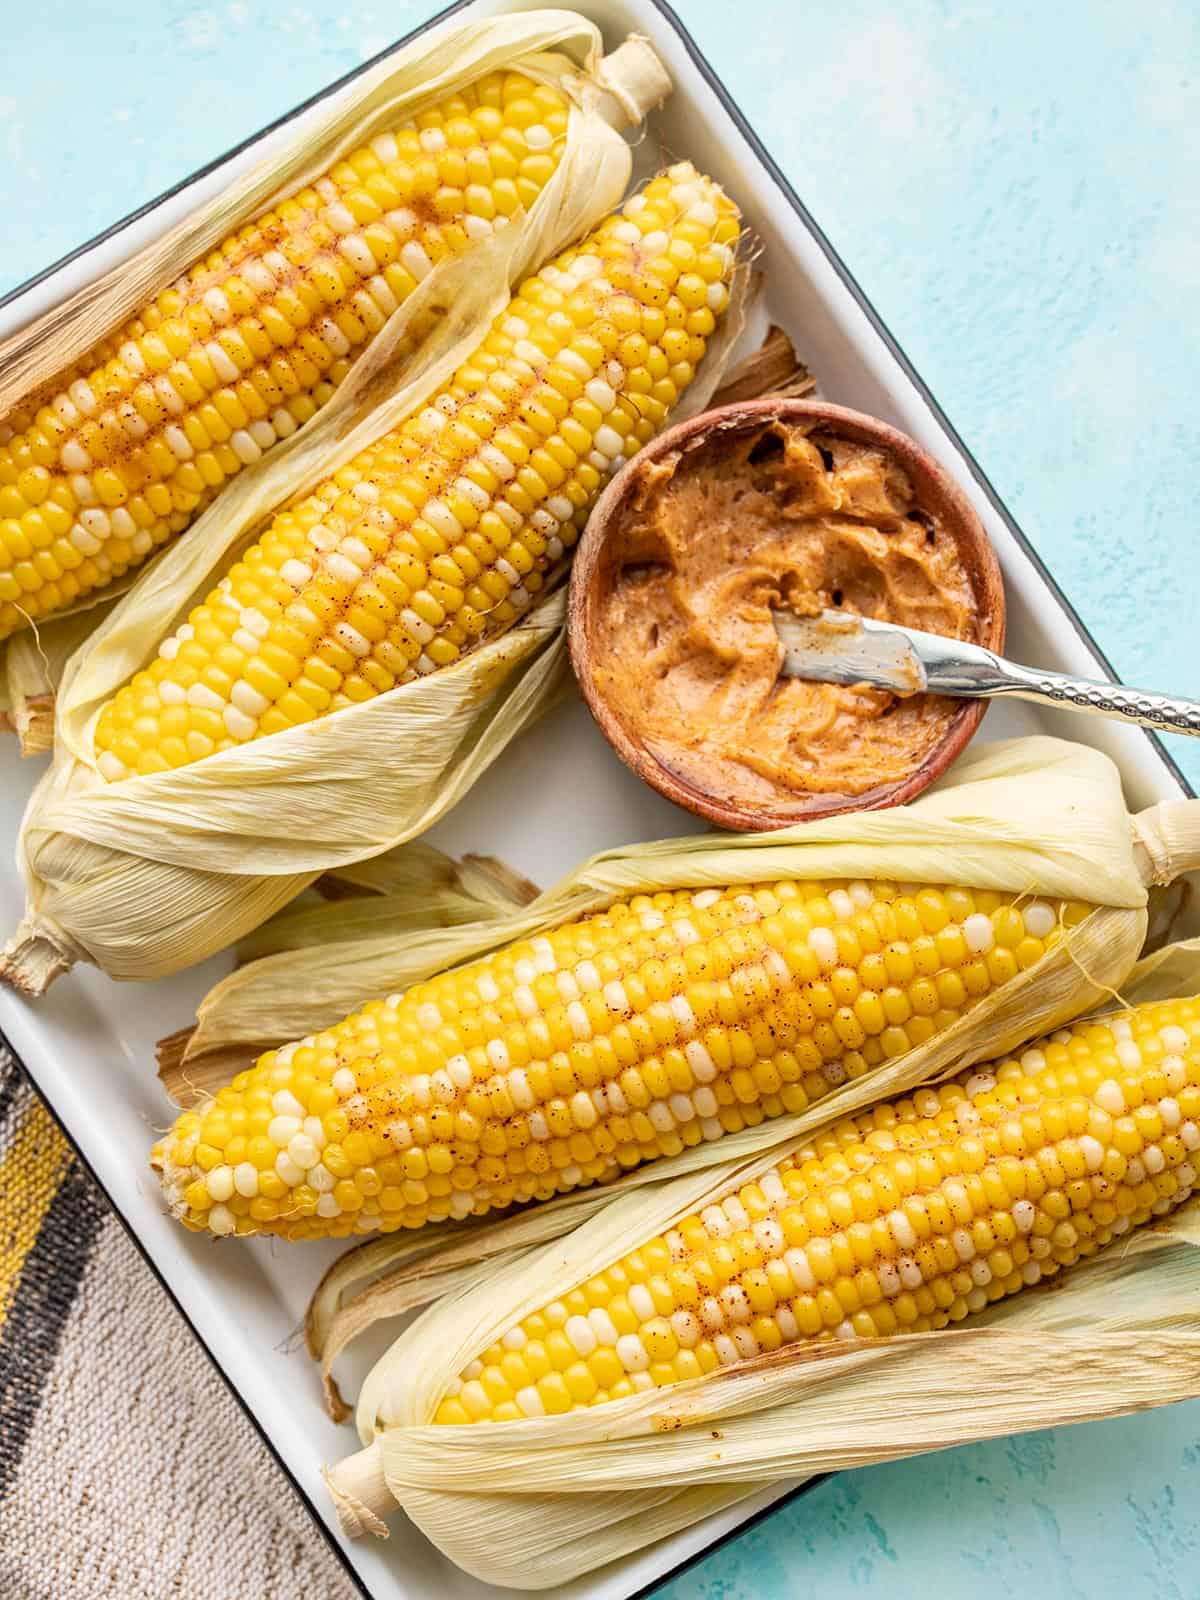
{"x": 1015, "y": 185}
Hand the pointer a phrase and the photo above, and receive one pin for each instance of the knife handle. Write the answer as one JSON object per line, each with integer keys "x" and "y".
{"x": 1162, "y": 711}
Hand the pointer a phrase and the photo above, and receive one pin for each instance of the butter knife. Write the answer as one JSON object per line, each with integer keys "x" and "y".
{"x": 835, "y": 647}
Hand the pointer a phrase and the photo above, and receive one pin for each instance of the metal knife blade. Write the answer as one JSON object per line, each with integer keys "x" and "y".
{"x": 835, "y": 647}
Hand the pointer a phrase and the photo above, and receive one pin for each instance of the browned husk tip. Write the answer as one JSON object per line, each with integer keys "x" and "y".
{"x": 33, "y": 724}
{"x": 773, "y": 369}
{"x": 33, "y": 958}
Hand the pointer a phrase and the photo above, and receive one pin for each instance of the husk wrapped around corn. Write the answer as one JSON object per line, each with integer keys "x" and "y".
{"x": 353, "y": 1105}
{"x": 204, "y": 842}
{"x": 219, "y": 339}
{"x": 1103, "y": 1116}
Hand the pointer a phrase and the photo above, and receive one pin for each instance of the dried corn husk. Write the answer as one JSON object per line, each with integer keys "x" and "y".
{"x": 773, "y": 369}
{"x": 543, "y": 1501}
{"x": 405, "y": 872}
{"x": 552, "y": 45}
{"x": 425, "y": 889}
{"x": 152, "y": 881}
{"x": 31, "y": 668}
{"x": 416, "y": 889}
{"x": 205, "y": 853}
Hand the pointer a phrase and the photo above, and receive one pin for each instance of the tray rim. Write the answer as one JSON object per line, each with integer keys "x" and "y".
{"x": 792, "y": 199}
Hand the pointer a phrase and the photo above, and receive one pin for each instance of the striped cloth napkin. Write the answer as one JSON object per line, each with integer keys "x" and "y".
{"x": 127, "y": 1470}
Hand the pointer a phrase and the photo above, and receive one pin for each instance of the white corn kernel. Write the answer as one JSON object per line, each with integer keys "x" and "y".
{"x": 979, "y": 933}
{"x": 287, "y": 1170}
{"x": 1110, "y": 1097}
{"x": 245, "y": 1179}
{"x": 219, "y": 1182}
{"x": 282, "y": 1130}
{"x": 1040, "y": 919}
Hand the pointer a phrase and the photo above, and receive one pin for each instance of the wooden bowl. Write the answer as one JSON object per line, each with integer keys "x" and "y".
{"x": 598, "y": 562}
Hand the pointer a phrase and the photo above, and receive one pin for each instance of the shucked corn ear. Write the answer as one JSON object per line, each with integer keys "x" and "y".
{"x": 123, "y": 452}
{"x": 442, "y": 532}
{"x": 905, "y": 1218}
{"x": 664, "y": 1021}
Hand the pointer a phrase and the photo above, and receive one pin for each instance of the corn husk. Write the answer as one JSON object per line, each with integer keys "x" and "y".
{"x": 773, "y": 369}
{"x": 404, "y": 874}
{"x": 1031, "y": 815}
{"x": 425, "y": 889}
{"x": 541, "y": 1502}
{"x": 152, "y": 881}
{"x": 417, "y": 889}
{"x": 31, "y": 668}
{"x": 552, "y": 45}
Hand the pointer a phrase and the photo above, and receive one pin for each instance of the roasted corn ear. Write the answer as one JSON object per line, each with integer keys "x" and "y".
{"x": 562, "y": 1061}
{"x": 443, "y": 532}
{"x": 122, "y": 453}
{"x": 905, "y": 1218}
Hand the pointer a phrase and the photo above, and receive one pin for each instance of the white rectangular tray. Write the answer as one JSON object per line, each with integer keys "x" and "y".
{"x": 555, "y": 798}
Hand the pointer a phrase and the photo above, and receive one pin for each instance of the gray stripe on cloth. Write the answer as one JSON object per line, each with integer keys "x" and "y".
{"x": 42, "y": 1300}
{"x": 125, "y": 1489}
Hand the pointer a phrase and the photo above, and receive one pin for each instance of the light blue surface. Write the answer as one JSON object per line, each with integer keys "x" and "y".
{"x": 1015, "y": 185}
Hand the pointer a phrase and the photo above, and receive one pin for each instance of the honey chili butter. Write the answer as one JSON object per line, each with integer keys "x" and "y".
{"x": 797, "y": 505}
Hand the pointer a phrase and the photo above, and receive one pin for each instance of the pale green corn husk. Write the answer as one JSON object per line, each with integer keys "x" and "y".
{"x": 541, "y": 1502}
{"x": 551, "y": 45}
{"x": 153, "y": 874}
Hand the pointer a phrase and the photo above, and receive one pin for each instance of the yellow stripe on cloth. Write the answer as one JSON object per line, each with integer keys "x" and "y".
{"x": 96, "y": 1502}
{"x": 31, "y": 1170}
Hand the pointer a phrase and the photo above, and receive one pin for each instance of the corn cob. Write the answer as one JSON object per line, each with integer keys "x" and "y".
{"x": 903, "y": 1219}
{"x": 108, "y": 462}
{"x": 562, "y": 1061}
{"x": 443, "y": 531}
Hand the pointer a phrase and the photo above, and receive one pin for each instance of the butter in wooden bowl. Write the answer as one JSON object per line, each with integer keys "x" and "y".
{"x": 775, "y": 504}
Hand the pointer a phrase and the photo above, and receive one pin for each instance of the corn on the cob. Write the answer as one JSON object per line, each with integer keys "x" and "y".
{"x": 903, "y": 1219}
{"x": 561, "y": 1061}
{"x": 121, "y": 453}
{"x": 443, "y": 531}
